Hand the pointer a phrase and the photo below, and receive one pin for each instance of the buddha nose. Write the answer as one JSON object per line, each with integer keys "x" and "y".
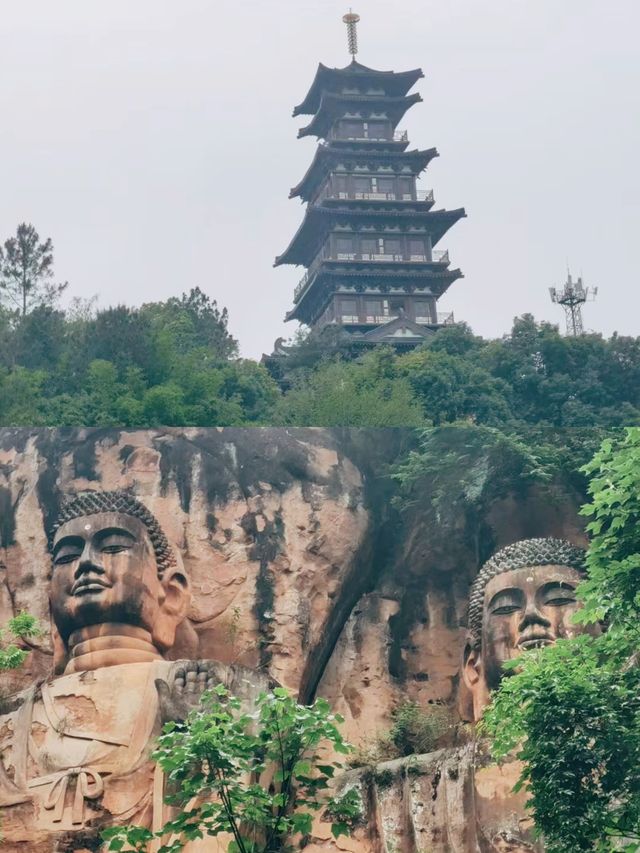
{"x": 90, "y": 561}
{"x": 532, "y": 616}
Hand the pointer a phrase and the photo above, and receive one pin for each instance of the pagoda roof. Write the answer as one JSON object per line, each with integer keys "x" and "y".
{"x": 326, "y": 155}
{"x": 319, "y": 220}
{"x": 438, "y": 281}
{"x": 332, "y": 106}
{"x": 395, "y": 83}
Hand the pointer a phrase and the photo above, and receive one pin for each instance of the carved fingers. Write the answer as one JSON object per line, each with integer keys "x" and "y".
{"x": 184, "y": 691}
{"x": 194, "y": 677}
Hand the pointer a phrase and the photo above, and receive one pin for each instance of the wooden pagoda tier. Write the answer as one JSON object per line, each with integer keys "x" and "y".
{"x": 334, "y": 80}
{"x": 369, "y": 234}
{"x": 329, "y": 157}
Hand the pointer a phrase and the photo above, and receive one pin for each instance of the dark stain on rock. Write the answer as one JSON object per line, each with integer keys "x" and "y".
{"x": 125, "y": 452}
{"x": 7, "y": 518}
{"x": 267, "y": 544}
{"x": 176, "y": 466}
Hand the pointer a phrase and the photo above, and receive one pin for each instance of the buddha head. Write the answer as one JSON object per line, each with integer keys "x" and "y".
{"x": 112, "y": 565}
{"x": 523, "y": 597}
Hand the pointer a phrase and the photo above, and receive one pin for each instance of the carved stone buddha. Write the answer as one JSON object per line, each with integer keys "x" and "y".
{"x": 75, "y": 750}
{"x": 457, "y": 800}
{"x": 523, "y": 597}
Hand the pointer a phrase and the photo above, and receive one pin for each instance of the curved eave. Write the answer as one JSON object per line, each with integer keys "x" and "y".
{"x": 318, "y": 221}
{"x": 440, "y": 282}
{"x": 325, "y": 154}
{"x": 397, "y": 83}
{"x": 328, "y": 110}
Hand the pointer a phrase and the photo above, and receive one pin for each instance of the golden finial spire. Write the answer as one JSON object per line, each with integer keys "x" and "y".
{"x": 351, "y": 20}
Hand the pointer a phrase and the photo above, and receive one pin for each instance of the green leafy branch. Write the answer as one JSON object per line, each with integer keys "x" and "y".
{"x": 22, "y": 629}
{"x": 259, "y": 777}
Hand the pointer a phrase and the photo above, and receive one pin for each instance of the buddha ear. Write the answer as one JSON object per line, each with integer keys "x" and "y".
{"x": 471, "y": 665}
{"x": 177, "y": 591}
{"x": 173, "y": 607}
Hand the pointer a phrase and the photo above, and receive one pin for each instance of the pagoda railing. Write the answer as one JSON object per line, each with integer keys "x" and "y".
{"x": 396, "y": 136}
{"x": 440, "y": 256}
{"x": 445, "y": 319}
{"x": 421, "y": 195}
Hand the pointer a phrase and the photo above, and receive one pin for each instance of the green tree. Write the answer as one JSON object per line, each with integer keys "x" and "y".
{"x": 572, "y": 711}
{"x": 259, "y": 777}
{"x": 21, "y": 630}
{"x": 364, "y": 392}
{"x": 26, "y": 270}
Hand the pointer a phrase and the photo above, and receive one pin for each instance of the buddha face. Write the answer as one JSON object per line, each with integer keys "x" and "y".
{"x": 105, "y": 570}
{"x": 523, "y": 609}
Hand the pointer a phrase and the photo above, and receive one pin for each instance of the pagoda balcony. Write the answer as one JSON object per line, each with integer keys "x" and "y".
{"x": 446, "y": 319}
{"x": 421, "y": 195}
{"x": 396, "y": 136}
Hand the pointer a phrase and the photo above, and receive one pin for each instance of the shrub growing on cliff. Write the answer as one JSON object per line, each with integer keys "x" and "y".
{"x": 20, "y": 630}
{"x": 572, "y": 710}
{"x": 257, "y": 777}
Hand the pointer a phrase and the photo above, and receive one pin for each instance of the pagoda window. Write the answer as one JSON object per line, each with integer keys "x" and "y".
{"x": 368, "y": 248}
{"x": 396, "y": 308}
{"x": 386, "y": 186}
{"x": 361, "y": 187}
{"x": 405, "y": 187}
{"x": 417, "y": 249}
{"x": 392, "y": 248}
{"x": 351, "y": 130}
{"x": 422, "y": 310}
{"x": 344, "y": 248}
{"x": 374, "y": 311}
{"x": 341, "y": 186}
{"x": 349, "y": 311}
{"x": 378, "y": 130}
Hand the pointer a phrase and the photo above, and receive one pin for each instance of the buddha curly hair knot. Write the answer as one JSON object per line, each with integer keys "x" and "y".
{"x": 520, "y": 555}
{"x": 90, "y": 503}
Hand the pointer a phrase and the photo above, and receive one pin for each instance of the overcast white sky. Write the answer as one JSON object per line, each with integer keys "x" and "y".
{"x": 153, "y": 141}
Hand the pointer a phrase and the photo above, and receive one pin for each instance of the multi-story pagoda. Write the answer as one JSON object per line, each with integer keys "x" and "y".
{"x": 369, "y": 235}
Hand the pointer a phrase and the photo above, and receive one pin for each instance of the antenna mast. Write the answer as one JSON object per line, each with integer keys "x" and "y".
{"x": 572, "y": 297}
{"x": 351, "y": 20}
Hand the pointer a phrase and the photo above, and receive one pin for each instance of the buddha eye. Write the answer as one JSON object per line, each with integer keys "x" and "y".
{"x": 561, "y": 601}
{"x": 505, "y": 610}
{"x": 62, "y": 559}
{"x": 114, "y": 549}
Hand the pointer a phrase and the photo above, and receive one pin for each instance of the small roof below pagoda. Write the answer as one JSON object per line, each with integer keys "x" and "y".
{"x": 399, "y": 330}
{"x": 331, "y": 79}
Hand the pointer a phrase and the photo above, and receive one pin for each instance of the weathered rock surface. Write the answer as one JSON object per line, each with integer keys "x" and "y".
{"x": 301, "y": 569}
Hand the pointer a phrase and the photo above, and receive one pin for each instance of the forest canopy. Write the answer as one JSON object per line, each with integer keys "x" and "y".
{"x": 174, "y": 363}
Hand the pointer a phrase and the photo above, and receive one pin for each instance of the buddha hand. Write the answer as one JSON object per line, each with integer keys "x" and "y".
{"x": 190, "y": 680}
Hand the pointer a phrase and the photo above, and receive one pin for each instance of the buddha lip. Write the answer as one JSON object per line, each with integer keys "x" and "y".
{"x": 82, "y": 587}
{"x": 535, "y": 642}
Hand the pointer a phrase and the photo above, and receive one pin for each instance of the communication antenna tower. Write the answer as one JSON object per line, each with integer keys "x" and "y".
{"x": 572, "y": 297}
{"x": 351, "y": 20}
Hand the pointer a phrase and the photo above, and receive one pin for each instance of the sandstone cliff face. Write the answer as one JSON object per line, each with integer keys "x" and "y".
{"x": 301, "y": 566}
